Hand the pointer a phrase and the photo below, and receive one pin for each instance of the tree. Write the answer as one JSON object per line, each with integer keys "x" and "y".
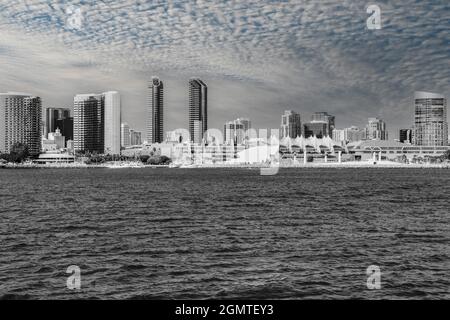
{"x": 155, "y": 160}
{"x": 19, "y": 152}
{"x": 159, "y": 160}
{"x": 446, "y": 155}
{"x": 165, "y": 160}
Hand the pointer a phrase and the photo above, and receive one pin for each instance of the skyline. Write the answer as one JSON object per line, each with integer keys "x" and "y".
{"x": 258, "y": 58}
{"x": 321, "y": 123}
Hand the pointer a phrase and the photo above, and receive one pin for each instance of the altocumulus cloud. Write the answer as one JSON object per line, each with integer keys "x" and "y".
{"x": 258, "y": 57}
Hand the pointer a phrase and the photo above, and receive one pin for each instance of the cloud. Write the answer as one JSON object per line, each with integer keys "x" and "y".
{"x": 258, "y": 57}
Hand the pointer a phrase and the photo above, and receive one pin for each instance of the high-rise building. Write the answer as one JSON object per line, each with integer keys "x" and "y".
{"x": 235, "y": 131}
{"x": 351, "y": 134}
{"x": 112, "y": 122}
{"x": 198, "y": 109}
{"x": 66, "y": 127}
{"x": 20, "y": 121}
{"x": 135, "y": 138}
{"x": 55, "y": 141}
{"x": 155, "y": 106}
{"x": 89, "y": 124}
{"x": 317, "y": 129}
{"x": 406, "y": 136}
{"x": 376, "y": 129}
{"x": 52, "y": 115}
{"x": 291, "y": 125}
{"x": 324, "y": 117}
{"x": 431, "y": 127}
{"x": 125, "y": 135}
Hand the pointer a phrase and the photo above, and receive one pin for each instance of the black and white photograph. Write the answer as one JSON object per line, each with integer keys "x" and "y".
{"x": 224, "y": 154}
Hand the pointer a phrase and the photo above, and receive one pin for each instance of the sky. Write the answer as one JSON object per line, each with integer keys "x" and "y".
{"x": 258, "y": 57}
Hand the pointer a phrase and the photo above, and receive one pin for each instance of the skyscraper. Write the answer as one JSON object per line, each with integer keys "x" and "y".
{"x": 112, "y": 122}
{"x": 135, "y": 138}
{"x": 318, "y": 129}
{"x": 52, "y": 115}
{"x": 235, "y": 131}
{"x": 351, "y": 134}
{"x": 291, "y": 125}
{"x": 321, "y": 125}
{"x": 125, "y": 135}
{"x": 198, "y": 109}
{"x": 376, "y": 129}
{"x": 431, "y": 127}
{"x": 155, "y": 106}
{"x": 406, "y": 135}
{"x": 20, "y": 121}
{"x": 326, "y": 118}
{"x": 89, "y": 123}
{"x": 66, "y": 127}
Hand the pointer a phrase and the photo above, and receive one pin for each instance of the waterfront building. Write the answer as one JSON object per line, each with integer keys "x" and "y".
{"x": 155, "y": 108}
{"x": 88, "y": 117}
{"x": 57, "y": 139}
{"x": 235, "y": 131}
{"x": 198, "y": 109}
{"x": 431, "y": 126}
{"x": 391, "y": 150}
{"x": 135, "y": 138}
{"x": 311, "y": 145}
{"x": 316, "y": 129}
{"x": 291, "y": 125}
{"x": 52, "y": 116}
{"x": 177, "y": 136}
{"x": 20, "y": 121}
{"x": 339, "y": 135}
{"x": 66, "y": 127}
{"x": 69, "y": 145}
{"x": 321, "y": 125}
{"x": 324, "y": 117}
{"x": 351, "y": 134}
{"x": 125, "y": 135}
{"x": 376, "y": 129}
{"x": 112, "y": 121}
{"x": 406, "y": 136}
{"x": 53, "y": 157}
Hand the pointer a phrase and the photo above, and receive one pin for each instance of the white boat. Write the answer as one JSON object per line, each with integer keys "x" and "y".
{"x": 119, "y": 165}
{"x": 188, "y": 166}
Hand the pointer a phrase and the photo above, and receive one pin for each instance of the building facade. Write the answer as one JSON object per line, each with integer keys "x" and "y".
{"x": 89, "y": 123}
{"x": 155, "y": 107}
{"x": 66, "y": 127}
{"x": 125, "y": 135}
{"x": 112, "y": 122}
{"x": 198, "y": 109}
{"x": 235, "y": 131}
{"x": 351, "y": 134}
{"x": 321, "y": 125}
{"x": 291, "y": 124}
{"x": 316, "y": 129}
{"x": 376, "y": 129}
{"x": 20, "y": 121}
{"x": 406, "y": 136}
{"x": 52, "y": 116}
{"x": 431, "y": 126}
{"x": 55, "y": 141}
{"x": 135, "y": 138}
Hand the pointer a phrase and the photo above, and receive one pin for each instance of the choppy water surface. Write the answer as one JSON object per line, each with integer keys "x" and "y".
{"x": 206, "y": 233}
